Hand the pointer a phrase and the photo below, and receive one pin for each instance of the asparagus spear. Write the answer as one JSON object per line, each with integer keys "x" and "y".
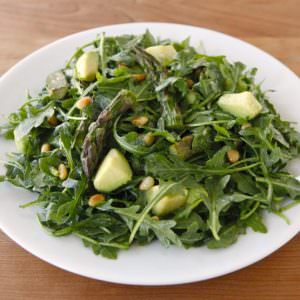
{"x": 171, "y": 115}
{"x": 153, "y": 68}
{"x": 98, "y": 130}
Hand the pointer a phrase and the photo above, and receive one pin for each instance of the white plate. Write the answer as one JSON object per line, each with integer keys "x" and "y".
{"x": 150, "y": 265}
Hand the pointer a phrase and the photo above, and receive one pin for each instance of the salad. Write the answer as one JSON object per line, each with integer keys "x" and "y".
{"x": 138, "y": 139}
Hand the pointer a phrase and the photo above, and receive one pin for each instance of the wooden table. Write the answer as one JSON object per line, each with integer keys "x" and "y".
{"x": 26, "y": 25}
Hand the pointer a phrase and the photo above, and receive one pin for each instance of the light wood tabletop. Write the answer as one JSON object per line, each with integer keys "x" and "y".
{"x": 26, "y": 25}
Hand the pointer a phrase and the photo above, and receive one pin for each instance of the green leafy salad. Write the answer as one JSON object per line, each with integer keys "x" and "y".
{"x": 139, "y": 139}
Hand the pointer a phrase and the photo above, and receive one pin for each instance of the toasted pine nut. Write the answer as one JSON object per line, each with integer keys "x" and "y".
{"x": 45, "y": 148}
{"x": 149, "y": 139}
{"x": 52, "y": 120}
{"x": 83, "y": 102}
{"x": 233, "y": 155}
{"x": 147, "y": 183}
{"x": 62, "y": 172}
{"x": 190, "y": 83}
{"x": 140, "y": 120}
{"x": 96, "y": 199}
{"x": 139, "y": 77}
{"x": 155, "y": 218}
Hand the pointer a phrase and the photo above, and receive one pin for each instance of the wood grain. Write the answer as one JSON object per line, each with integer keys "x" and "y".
{"x": 26, "y": 25}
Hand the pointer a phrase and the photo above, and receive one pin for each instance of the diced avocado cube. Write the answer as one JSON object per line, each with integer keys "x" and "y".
{"x": 87, "y": 66}
{"x": 169, "y": 202}
{"x": 163, "y": 53}
{"x": 241, "y": 105}
{"x": 114, "y": 171}
{"x": 57, "y": 85}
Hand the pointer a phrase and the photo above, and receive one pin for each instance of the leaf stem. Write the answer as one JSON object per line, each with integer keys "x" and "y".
{"x": 207, "y": 123}
{"x": 94, "y": 242}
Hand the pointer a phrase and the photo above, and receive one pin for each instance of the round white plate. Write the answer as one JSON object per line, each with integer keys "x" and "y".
{"x": 150, "y": 265}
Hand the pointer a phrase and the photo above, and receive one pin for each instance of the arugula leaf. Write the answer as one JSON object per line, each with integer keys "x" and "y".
{"x": 162, "y": 229}
{"x": 284, "y": 185}
{"x": 66, "y": 145}
{"x": 228, "y": 236}
{"x": 194, "y": 228}
{"x": 256, "y": 223}
{"x": 159, "y": 165}
{"x": 218, "y": 159}
{"x": 245, "y": 183}
{"x": 215, "y": 202}
{"x": 33, "y": 122}
{"x": 131, "y": 142}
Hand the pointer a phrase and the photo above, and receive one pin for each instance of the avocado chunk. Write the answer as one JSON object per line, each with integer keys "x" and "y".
{"x": 241, "y": 105}
{"x": 87, "y": 66}
{"x": 169, "y": 202}
{"x": 114, "y": 171}
{"x": 164, "y": 54}
{"x": 57, "y": 85}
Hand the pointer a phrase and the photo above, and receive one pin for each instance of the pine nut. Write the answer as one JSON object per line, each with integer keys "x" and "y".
{"x": 62, "y": 172}
{"x": 147, "y": 183}
{"x": 139, "y": 77}
{"x": 233, "y": 155}
{"x": 45, "y": 148}
{"x": 83, "y": 102}
{"x": 190, "y": 83}
{"x": 96, "y": 199}
{"x": 139, "y": 121}
{"x": 52, "y": 120}
{"x": 149, "y": 139}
